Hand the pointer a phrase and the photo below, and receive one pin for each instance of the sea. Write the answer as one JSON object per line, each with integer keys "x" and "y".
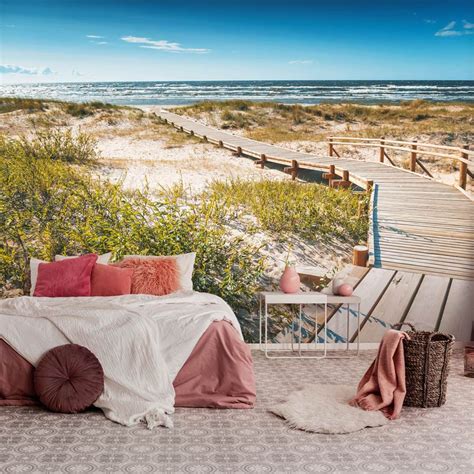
{"x": 289, "y": 92}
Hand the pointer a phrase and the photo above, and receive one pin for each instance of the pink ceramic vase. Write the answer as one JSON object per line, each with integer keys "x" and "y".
{"x": 290, "y": 280}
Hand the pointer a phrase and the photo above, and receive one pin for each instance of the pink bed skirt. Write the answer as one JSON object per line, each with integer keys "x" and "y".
{"x": 217, "y": 374}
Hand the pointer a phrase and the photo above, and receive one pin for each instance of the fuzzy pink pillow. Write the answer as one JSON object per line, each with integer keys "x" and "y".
{"x": 153, "y": 276}
{"x": 108, "y": 280}
{"x": 71, "y": 277}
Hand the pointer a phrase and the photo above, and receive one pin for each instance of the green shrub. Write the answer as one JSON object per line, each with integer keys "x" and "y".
{"x": 48, "y": 206}
{"x": 57, "y": 145}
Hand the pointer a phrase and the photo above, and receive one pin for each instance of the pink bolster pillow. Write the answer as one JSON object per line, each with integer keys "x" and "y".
{"x": 71, "y": 277}
{"x": 153, "y": 276}
{"x": 69, "y": 379}
{"x": 108, "y": 280}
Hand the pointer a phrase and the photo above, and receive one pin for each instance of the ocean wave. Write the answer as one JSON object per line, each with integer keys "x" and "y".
{"x": 160, "y": 92}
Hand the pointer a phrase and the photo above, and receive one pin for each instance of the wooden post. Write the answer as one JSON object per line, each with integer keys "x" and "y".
{"x": 370, "y": 186}
{"x": 262, "y": 160}
{"x": 341, "y": 183}
{"x": 463, "y": 169}
{"x": 332, "y": 173}
{"x": 293, "y": 170}
{"x": 360, "y": 208}
{"x": 191, "y": 133}
{"x": 221, "y": 144}
{"x": 413, "y": 157}
{"x": 382, "y": 150}
{"x": 181, "y": 129}
{"x": 204, "y": 138}
{"x": 239, "y": 151}
{"x": 360, "y": 254}
{"x": 331, "y": 147}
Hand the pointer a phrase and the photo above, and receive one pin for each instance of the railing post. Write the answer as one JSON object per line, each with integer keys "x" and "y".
{"x": 413, "y": 157}
{"x": 331, "y": 147}
{"x": 382, "y": 150}
{"x": 463, "y": 169}
{"x": 370, "y": 186}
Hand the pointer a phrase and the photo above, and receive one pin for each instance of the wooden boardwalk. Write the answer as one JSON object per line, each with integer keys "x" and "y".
{"x": 421, "y": 244}
{"x": 417, "y": 224}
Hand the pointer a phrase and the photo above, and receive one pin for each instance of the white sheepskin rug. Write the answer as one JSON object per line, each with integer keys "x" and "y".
{"x": 325, "y": 409}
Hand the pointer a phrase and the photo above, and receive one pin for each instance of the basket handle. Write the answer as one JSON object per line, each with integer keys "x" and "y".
{"x": 399, "y": 326}
{"x": 449, "y": 337}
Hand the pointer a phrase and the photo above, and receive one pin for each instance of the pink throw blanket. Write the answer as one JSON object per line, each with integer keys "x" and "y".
{"x": 383, "y": 385}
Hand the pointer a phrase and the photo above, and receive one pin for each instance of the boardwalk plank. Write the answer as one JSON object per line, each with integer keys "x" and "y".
{"x": 391, "y": 307}
{"x": 457, "y": 318}
{"x": 370, "y": 289}
{"x": 428, "y": 303}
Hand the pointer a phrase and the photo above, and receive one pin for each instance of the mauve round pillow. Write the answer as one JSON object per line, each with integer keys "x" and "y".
{"x": 69, "y": 379}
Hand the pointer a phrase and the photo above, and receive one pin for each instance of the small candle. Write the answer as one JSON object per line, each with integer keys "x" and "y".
{"x": 469, "y": 361}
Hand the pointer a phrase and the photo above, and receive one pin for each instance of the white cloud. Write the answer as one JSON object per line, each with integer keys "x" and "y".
{"x": 95, "y": 36}
{"x": 429, "y": 22}
{"x": 449, "y": 30}
{"x": 162, "y": 45}
{"x": 12, "y": 69}
{"x": 301, "y": 61}
{"x": 100, "y": 42}
{"x": 76, "y": 73}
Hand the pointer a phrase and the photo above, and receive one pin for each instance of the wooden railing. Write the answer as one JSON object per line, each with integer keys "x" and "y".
{"x": 414, "y": 148}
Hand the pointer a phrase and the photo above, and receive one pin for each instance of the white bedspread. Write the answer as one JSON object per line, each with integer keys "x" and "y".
{"x": 141, "y": 341}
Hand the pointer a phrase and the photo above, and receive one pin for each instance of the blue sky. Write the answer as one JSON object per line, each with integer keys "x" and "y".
{"x": 102, "y": 40}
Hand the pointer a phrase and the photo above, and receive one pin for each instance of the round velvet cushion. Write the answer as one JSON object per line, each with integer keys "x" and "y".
{"x": 68, "y": 379}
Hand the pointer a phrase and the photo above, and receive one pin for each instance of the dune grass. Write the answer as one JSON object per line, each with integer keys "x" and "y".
{"x": 275, "y": 122}
{"x": 311, "y": 211}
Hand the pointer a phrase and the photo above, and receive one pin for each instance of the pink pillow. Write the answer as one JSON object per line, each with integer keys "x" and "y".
{"x": 153, "y": 276}
{"x": 71, "y": 277}
{"x": 108, "y": 280}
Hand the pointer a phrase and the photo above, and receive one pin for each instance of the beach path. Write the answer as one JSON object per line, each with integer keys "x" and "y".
{"x": 416, "y": 224}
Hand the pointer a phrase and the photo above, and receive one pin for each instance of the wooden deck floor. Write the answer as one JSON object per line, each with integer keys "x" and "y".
{"x": 430, "y": 302}
{"x": 417, "y": 224}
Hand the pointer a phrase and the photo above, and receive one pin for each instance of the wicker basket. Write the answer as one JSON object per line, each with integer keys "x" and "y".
{"x": 427, "y": 357}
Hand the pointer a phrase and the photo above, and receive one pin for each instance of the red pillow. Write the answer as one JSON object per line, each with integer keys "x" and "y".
{"x": 153, "y": 276}
{"x": 108, "y": 280}
{"x": 71, "y": 277}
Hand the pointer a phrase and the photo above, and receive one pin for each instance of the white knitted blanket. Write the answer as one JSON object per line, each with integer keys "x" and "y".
{"x": 141, "y": 341}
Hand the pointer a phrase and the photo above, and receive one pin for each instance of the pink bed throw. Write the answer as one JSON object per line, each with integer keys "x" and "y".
{"x": 217, "y": 374}
{"x": 383, "y": 385}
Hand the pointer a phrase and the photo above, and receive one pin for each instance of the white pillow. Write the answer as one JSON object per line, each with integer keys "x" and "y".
{"x": 104, "y": 258}
{"x": 185, "y": 264}
{"x": 34, "y": 264}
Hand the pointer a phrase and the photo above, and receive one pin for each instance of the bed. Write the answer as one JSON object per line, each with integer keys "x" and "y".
{"x": 197, "y": 334}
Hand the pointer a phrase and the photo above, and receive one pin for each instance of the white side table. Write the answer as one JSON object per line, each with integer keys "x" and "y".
{"x": 304, "y": 298}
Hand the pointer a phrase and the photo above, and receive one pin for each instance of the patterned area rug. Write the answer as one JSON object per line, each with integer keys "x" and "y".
{"x": 434, "y": 440}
